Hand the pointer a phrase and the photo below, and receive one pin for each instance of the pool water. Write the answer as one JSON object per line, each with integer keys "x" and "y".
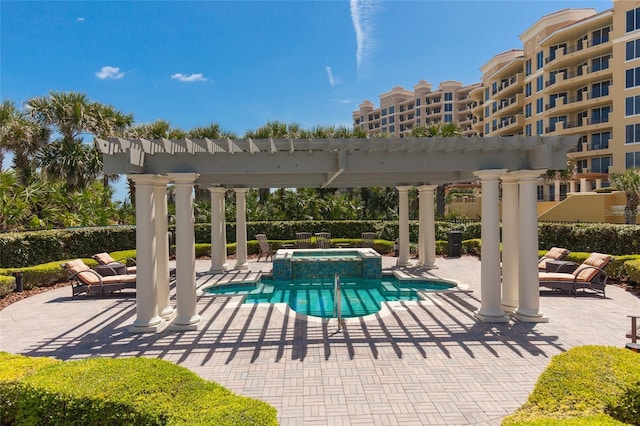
{"x": 359, "y": 296}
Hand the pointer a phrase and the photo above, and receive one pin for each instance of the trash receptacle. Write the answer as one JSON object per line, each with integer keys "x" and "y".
{"x": 455, "y": 243}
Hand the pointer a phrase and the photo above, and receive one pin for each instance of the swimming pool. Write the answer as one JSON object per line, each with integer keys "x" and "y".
{"x": 315, "y": 297}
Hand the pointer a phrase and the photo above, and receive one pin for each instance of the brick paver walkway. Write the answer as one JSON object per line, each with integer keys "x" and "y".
{"x": 425, "y": 362}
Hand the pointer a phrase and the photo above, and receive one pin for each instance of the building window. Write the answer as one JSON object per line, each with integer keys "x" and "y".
{"x": 527, "y": 110}
{"x": 448, "y": 96}
{"x": 632, "y": 160}
{"x": 392, "y": 129}
{"x": 600, "y": 115}
{"x": 600, "y": 164}
{"x": 632, "y": 77}
{"x": 527, "y": 90}
{"x": 486, "y": 94}
{"x": 448, "y": 118}
{"x": 384, "y": 121}
{"x": 601, "y": 63}
{"x": 527, "y": 130}
{"x": 600, "y": 36}
{"x": 384, "y": 112}
{"x": 600, "y": 140}
{"x": 392, "y": 119}
{"x": 632, "y": 105}
{"x": 448, "y": 107}
{"x": 417, "y": 101}
{"x": 633, "y": 19}
{"x": 539, "y": 83}
{"x": 632, "y": 133}
{"x": 392, "y": 109}
{"x": 554, "y": 120}
{"x": 418, "y": 112}
{"x": 600, "y": 89}
{"x": 539, "y": 105}
{"x": 633, "y": 49}
{"x": 539, "y": 60}
{"x": 486, "y": 128}
{"x": 527, "y": 67}
{"x": 539, "y": 127}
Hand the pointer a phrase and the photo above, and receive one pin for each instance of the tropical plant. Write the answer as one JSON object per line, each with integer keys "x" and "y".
{"x": 72, "y": 115}
{"x": 629, "y": 182}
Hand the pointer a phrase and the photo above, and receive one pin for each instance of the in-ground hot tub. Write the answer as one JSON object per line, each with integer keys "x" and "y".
{"x": 323, "y": 263}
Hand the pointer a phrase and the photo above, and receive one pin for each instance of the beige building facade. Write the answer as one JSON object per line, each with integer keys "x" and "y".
{"x": 576, "y": 73}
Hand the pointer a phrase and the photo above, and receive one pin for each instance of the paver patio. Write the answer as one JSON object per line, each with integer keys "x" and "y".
{"x": 427, "y": 362}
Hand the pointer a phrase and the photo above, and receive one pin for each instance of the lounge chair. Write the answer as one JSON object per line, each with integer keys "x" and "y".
{"x": 264, "y": 247}
{"x": 634, "y": 333}
{"x": 96, "y": 282}
{"x": 556, "y": 253}
{"x": 106, "y": 259}
{"x": 303, "y": 240}
{"x": 366, "y": 239}
{"x": 590, "y": 274}
{"x": 323, "y": 240}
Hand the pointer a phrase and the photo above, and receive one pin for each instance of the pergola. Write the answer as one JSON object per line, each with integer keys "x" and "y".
{"x": 515, "y": 163}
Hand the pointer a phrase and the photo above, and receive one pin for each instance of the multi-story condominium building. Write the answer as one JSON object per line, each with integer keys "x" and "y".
{"x": 401, "y": 109}
{"x": 577, "y": 73}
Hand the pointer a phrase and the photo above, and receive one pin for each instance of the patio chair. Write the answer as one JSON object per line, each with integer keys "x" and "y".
{"x": 556, "y": 253}
{"x": 590, "y": 274}
{"x": 323, "y": 240}
{"x": 106, "y": 259}
{"x": 303, "y": 240}
{"x": 366, "y": 239}
{"x": 265, "y": 249}
{"x": 634, "y": 333}
{"x": 99, "y": 282}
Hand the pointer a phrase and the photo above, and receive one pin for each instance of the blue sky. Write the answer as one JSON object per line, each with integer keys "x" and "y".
{"x": 243, "y": 63}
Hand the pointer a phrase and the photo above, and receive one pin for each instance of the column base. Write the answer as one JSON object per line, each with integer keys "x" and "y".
{"x": 168, "y": 314}
{"x": 429, "y": 266}
{"x": 241, "y": 267}
{"x": 509, "y": 307}
{"x": 153, "y": 326}
{"x": 403, "y": 263}
{"x": 186, "y": 324}
{"x": 491, "y": 318}
{"x": 530, "y": 318}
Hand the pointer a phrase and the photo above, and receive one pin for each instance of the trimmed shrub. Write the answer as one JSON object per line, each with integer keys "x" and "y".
{"x": 7, "y": 284}
{"x": 602, "y": 238}
{"x": 585, "y": 383}
{"x": 44, "y": 275}
{"x": 136, "y": 391}
{"x": 632, "y": 269}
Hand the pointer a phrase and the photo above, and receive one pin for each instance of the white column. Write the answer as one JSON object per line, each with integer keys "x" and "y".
{"x": 490, "y": 297}
{"x": 403, "y": 216}
{"x": 529, "y": 289}
{"x": 599, "y": 183}
{"x": 546, "y": 191}
{"x": 162, "y": 247}
{"x": 147, "y": 318}
{"x": 583, "y": 185}
{"x": 241, "y": 228}
{"x": 556, "y": 190}
{"x": 427, "y": 243}
{"x": 572, "y": 186}
{"x": 218, "y": 231}
{"x": 510, "y": 231}
{"x": 187, "y": 317}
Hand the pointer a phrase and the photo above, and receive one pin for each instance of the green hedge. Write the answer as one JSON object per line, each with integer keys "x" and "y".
{"x": 601, "y": 238}
{"x": 585, "y": 385}
{"x": 134, "y": 391}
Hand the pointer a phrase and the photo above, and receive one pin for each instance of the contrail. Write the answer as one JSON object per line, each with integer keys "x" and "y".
{"x": 361, "y": 12}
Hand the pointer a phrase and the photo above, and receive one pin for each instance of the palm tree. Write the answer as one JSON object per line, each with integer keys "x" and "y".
{"x": 212, "y": 131}
{"x": 21, "y": 137}
{"x": 629, "y": 182}
{"x": 72, "y": 115}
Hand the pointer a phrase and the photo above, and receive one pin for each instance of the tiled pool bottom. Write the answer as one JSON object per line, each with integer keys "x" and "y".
{"x": 316, "y": 297}
{"x": 314, "y": 263}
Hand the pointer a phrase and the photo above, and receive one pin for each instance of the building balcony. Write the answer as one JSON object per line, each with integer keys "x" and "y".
{"x": 508, "y": 126}
{"x": 573, "y": 104}
{"x": 576, "y": 79}
{"x": 585, "y": 125}
{"x": 578, "y": 53}
{"x": 510, "y": 86}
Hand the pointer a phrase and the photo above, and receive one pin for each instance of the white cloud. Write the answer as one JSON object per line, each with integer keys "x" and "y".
{"x": 80, "y": 19}
{"x": 330, "y": 76}
{"x": 189, "y": 78}
{"x": 362, "y": 12}
{"x": 344, "y": 101}
{"x": 109, "y": 72}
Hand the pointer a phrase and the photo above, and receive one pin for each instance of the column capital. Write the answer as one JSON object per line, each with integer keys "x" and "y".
{"x": 423, "y": 188}
{"x": 217, "y": 190}
{"x": 241, "y": 190}
{"x": 183, "y": 178}
{"x": 161, "y": 180}
{"x": 403, "y": 188}
{"x": 528, "y": 174}
{"x": 143, "y": 179}
{"x": 509, "y": 177}
{"x": 490, "y": 174}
